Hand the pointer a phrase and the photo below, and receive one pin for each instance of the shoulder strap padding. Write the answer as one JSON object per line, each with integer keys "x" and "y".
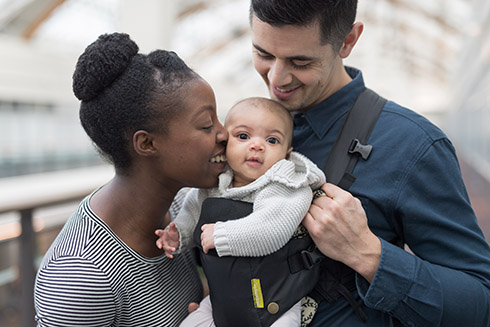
{"x": 352, "y": 139}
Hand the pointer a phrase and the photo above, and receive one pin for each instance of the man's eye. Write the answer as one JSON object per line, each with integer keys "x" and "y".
{"x": 263, "y": 55}
{"x": 273, "y": 140}
{"x": 300, "y": 65}
{"x": 242, "y": 136}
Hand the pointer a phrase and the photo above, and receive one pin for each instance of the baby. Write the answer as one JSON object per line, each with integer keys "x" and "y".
{"x": 263, "y": 170}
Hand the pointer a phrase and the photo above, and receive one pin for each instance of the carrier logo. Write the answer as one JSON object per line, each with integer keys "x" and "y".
{"x": 257, "y": 294}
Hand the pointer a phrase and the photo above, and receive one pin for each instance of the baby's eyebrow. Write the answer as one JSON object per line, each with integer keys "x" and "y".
{"x": 240, "y": 126}
{"x": 277, "y": 131}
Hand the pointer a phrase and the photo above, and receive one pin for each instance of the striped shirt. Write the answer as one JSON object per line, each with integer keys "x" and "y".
{"x": 89, "y": 277}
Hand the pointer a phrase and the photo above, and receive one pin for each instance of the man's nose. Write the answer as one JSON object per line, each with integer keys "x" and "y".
{"x": 279, "y": 74}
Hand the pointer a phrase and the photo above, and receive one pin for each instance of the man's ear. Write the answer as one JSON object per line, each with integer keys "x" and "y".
{"x": 143, "y": 143}
{"x": 351, "y": 40}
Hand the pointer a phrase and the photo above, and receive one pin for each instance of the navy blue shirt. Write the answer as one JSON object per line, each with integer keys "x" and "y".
{"x": 412, "y": 190}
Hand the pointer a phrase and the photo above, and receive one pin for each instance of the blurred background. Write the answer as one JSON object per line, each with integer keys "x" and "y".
{"x": 430, "y": 56}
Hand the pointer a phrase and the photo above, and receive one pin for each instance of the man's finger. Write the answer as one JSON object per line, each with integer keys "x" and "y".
{"x": 308, "y": 220}
{"x": 332, "y": 191}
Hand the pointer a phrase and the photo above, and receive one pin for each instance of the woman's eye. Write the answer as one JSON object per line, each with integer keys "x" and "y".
{"x": 242, "y": 136}
{"x": 273, "y": 140}
{"x": 208, "y": 127}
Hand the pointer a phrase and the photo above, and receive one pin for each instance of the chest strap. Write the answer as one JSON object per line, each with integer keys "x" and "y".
{"x": 337, "y": 280}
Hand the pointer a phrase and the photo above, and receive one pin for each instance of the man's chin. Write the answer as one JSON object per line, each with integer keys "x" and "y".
{"x": 288, "y": 104}
{"x": 290, "y": 107}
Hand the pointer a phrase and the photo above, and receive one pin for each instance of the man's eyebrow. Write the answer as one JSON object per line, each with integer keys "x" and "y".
{"x": 299, "y": 58}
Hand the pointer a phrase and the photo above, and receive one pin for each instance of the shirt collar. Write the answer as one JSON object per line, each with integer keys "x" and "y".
{"x": 322, "y": 117}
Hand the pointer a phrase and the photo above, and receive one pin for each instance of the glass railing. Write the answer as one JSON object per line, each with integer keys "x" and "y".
{"x": 32, "y": 210}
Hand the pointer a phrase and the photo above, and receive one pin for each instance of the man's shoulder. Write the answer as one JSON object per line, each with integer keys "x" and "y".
{"x": 407, "y": 123}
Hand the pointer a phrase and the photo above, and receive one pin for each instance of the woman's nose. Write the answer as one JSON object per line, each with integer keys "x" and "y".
{"x": 221, "y": 134}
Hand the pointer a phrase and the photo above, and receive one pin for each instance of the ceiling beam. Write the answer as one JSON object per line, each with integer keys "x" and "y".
{"x": 40, "y": 18}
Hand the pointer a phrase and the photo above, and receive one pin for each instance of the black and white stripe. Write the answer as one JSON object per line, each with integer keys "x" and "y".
{"x": 89, "y": 277}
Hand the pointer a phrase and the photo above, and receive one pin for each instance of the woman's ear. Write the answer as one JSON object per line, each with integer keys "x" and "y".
{"x": 143, "y": 143}
{"x": 351, "y": 40}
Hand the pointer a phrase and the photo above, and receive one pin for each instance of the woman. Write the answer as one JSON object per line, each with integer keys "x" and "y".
{"x": 155, "y": 120}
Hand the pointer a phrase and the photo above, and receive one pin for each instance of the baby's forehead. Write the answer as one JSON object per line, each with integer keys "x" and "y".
{"x": 248, "y": 111}
{"x": 245, "y": 107}
{"x": 268, "y": 124}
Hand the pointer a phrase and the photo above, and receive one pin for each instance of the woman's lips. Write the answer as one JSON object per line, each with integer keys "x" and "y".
{"x": 218, "y": 158}
{"x": 218, "y": 161}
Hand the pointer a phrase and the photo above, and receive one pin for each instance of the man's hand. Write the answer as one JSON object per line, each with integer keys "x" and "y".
{"x": 168, "y": 239}
{"x": 207, "y": 239}
{"x": 338, "y": 225}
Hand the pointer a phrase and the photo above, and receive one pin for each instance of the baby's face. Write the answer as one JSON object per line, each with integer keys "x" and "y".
{"x": 258, "y": 138}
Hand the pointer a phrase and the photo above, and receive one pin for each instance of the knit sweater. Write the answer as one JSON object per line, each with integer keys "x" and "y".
{"x": 281, "y": 198}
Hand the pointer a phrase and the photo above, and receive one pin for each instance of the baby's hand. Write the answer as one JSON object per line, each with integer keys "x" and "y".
{"x": 168, "y": 239}
{"x": 207, "y": 239}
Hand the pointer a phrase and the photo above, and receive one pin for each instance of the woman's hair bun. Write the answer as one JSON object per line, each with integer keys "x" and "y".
{"x": 101, "y": 63}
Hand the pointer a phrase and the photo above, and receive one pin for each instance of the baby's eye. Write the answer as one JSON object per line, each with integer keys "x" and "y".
{"x": 273, "y": 140}
{"x": 242, "y": 136}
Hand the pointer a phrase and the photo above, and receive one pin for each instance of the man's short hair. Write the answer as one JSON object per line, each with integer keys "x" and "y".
{"x": 336, "y": 17}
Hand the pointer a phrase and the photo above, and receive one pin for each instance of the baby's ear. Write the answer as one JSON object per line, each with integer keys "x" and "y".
{"x": 289, "y": 152}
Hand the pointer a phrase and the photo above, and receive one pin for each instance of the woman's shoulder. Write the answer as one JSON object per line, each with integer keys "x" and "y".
{"x": 74, "y": 238}
{"x": 84, "y": 237}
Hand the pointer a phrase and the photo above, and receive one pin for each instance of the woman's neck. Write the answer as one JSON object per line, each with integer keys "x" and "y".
{"x": 133, "y": 208}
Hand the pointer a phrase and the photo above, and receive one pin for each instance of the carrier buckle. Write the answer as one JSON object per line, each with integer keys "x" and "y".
{"x": 357, "y": 147}
{"x": 310, "y": 257}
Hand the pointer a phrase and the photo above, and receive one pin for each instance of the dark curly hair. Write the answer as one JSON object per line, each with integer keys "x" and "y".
{"x": 336, "y": 17}
{"x": 123, "y": 91}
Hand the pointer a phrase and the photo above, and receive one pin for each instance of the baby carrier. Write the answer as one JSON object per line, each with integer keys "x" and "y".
{"x": 252, "y": 291}
{"x": 256, "y": 291}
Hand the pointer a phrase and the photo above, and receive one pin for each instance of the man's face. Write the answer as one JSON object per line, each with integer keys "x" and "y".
{"x": 298, "y": 70}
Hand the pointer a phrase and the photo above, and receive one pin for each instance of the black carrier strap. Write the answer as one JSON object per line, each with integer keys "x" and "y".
{"x": 336, "y": 279}
{"x": 352, "y": 140}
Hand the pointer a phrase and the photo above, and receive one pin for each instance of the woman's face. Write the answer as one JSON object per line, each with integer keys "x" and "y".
{"x": 193, "y": 150}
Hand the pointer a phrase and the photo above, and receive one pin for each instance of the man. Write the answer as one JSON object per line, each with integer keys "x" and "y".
{"x": 410, "y": 188}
